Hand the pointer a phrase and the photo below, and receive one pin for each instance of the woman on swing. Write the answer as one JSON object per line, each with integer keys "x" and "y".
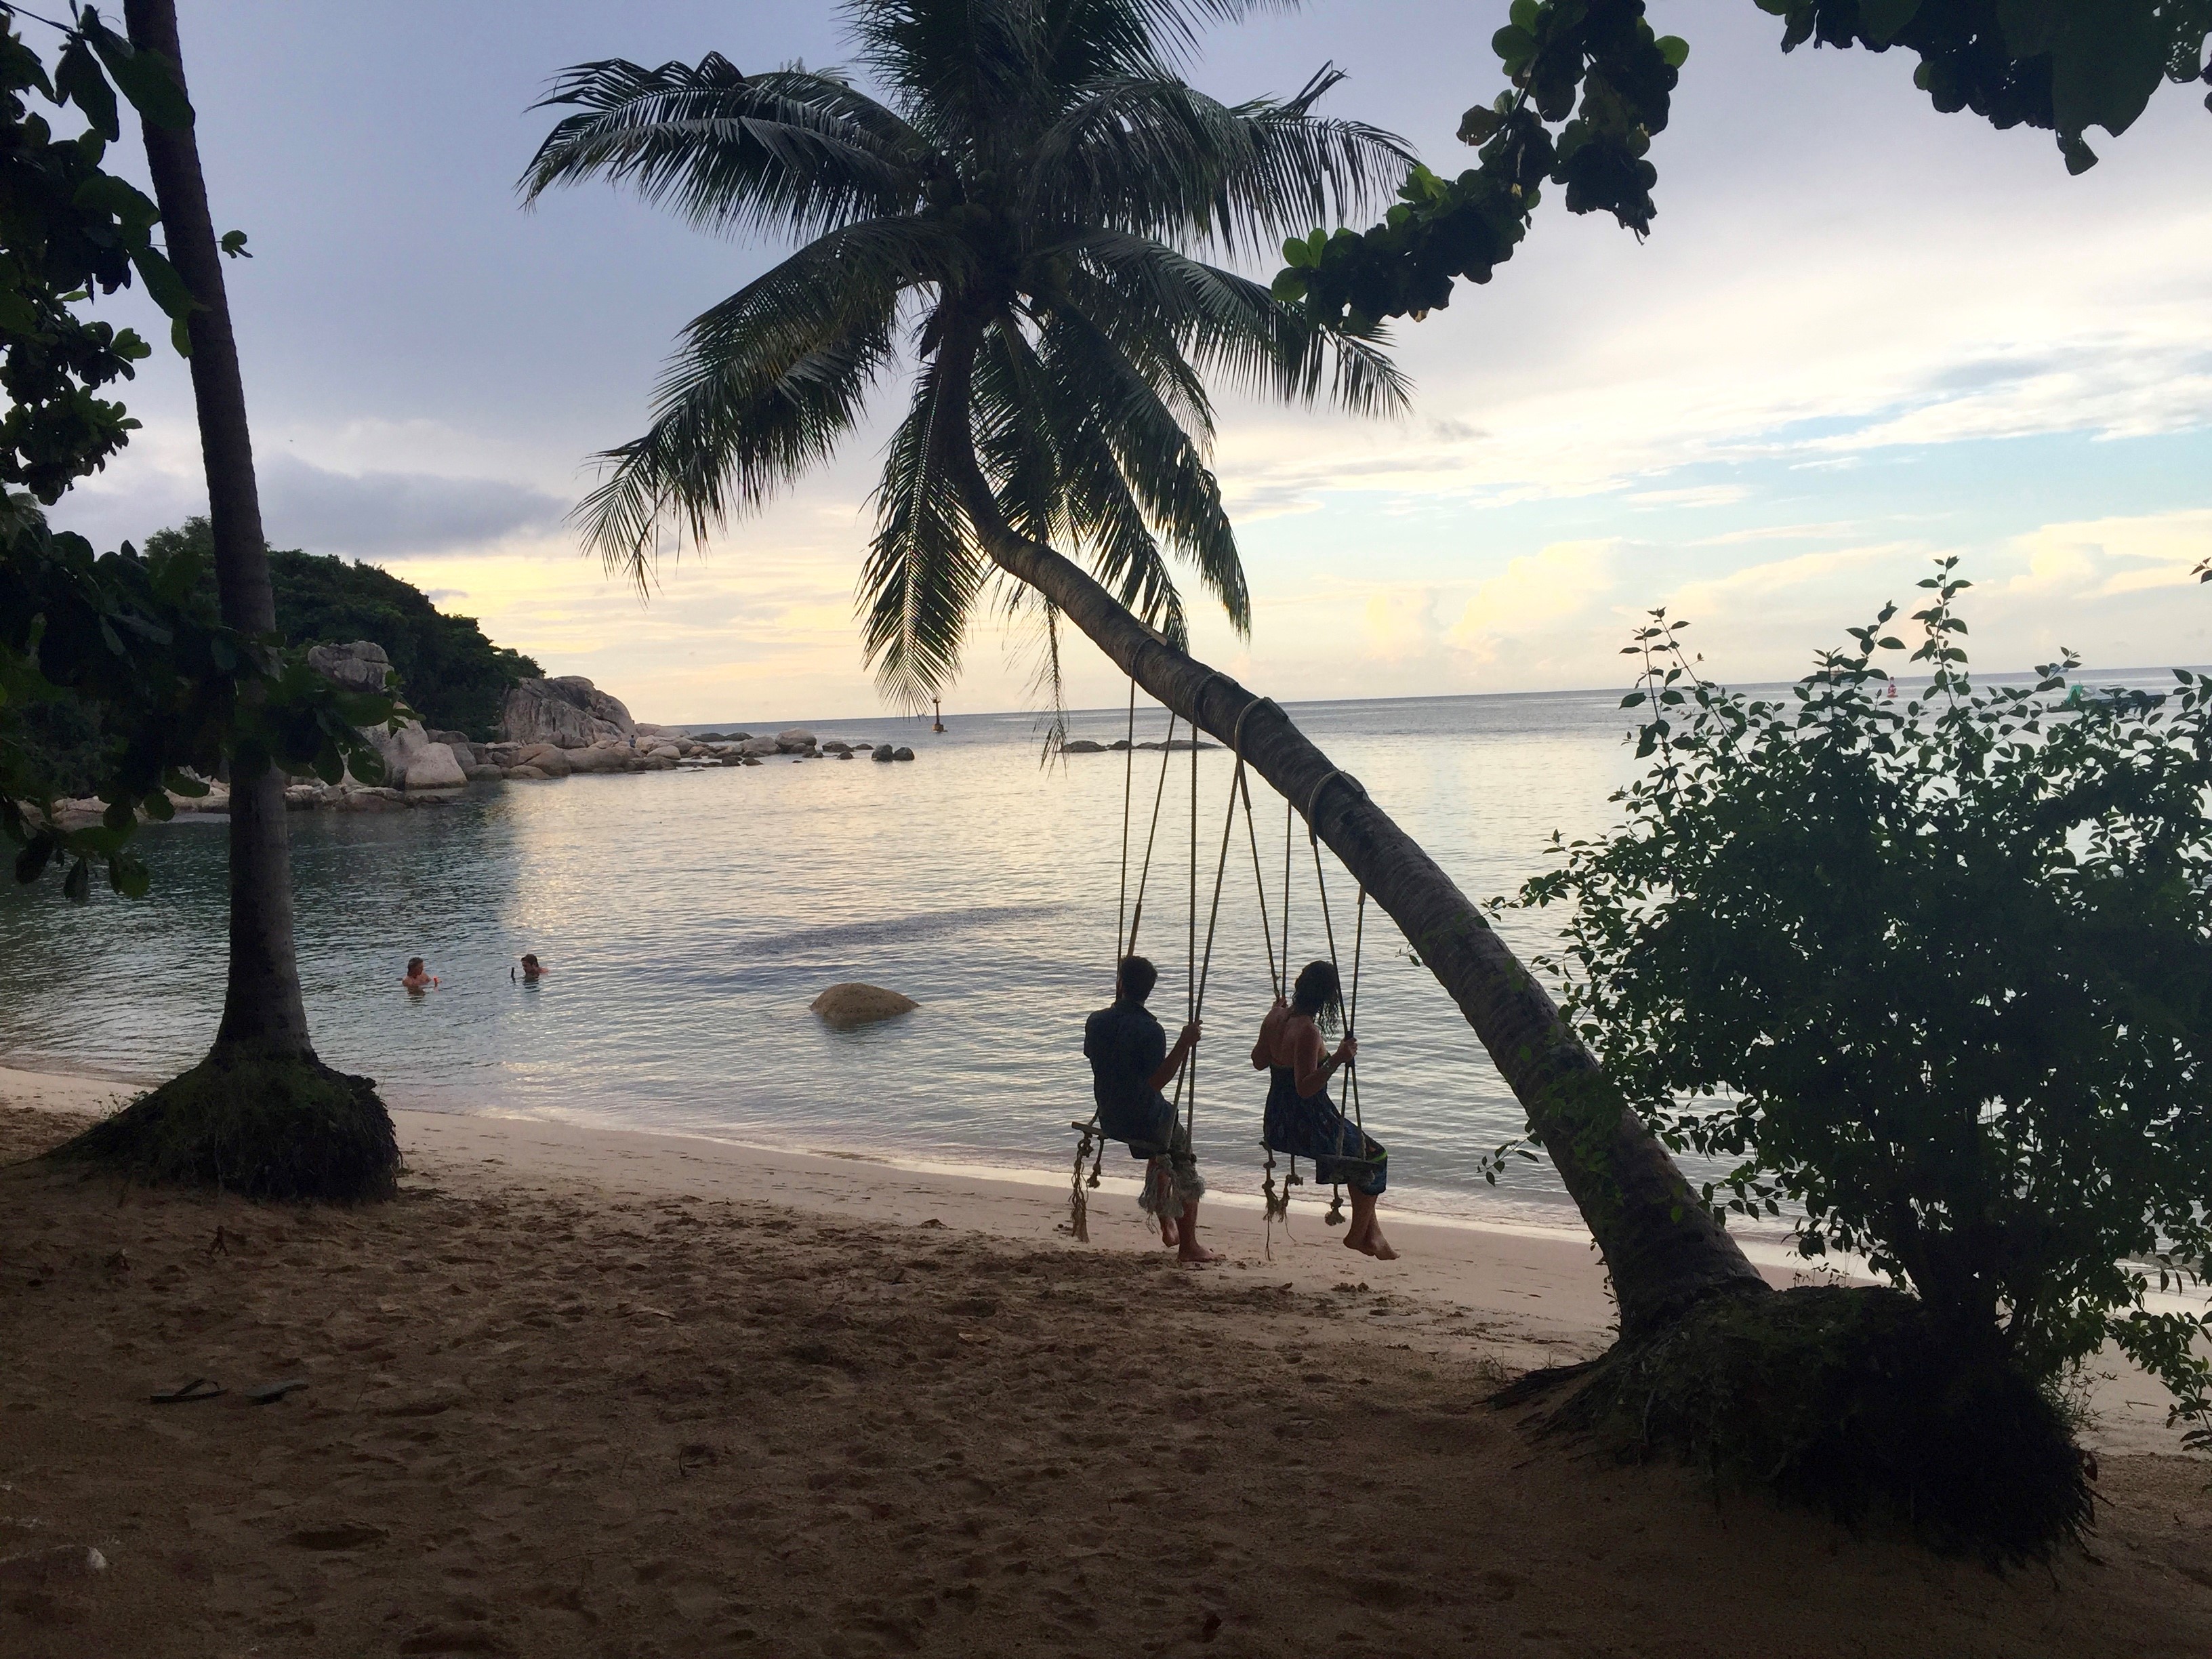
{"x": 1302, "y": 1120}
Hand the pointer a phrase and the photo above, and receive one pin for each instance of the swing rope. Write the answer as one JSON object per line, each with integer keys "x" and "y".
{"x": 1129, "y": 778}
{"x": 1335, "y": 1216}
{"x": 1091, "y": 1146}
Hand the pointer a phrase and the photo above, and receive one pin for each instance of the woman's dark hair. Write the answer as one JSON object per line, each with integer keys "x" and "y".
{"x": 1317, "y": 994}
{"x": 1136, "y": 977}
{"x": 414, "y": 964}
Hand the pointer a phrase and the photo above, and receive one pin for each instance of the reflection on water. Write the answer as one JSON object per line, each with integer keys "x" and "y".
{"x": 687, "y": 920}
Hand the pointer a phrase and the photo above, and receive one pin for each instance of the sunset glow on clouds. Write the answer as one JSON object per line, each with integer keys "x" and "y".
{"x": 1861, "y": 334}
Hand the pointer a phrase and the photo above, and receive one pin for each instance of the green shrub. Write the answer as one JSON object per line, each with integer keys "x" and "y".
{"x": 1937, "y": 970}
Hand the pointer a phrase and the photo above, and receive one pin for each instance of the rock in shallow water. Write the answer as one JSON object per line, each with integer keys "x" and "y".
{"x": 844, "y": 1006}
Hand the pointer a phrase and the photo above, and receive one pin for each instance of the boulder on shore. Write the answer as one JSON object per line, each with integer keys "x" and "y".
{"x": 600, "y": 757}
{"x": 360, "y": 667}
{"x": 796, "y": 740}
{"x": 901, "y": 753}
{"x": 882, "y": 751}
{"x": 845, "y": 1006}
{"x": 1082, "y": 746}
{"x": 567, "y": 711}
{"x": 549, "y": 758}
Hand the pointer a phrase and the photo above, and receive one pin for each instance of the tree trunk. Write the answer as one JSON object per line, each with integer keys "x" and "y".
{"x": 1665, "y": 1253}
{"x": 262, "y": 1008}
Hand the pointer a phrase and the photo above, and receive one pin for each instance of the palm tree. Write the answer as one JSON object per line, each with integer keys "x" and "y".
{"x": 261, "y": 1113}
{"x": 1021, "y": 224}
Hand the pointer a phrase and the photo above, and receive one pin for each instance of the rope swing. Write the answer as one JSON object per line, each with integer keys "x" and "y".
{"x": 1160, "y": 1180}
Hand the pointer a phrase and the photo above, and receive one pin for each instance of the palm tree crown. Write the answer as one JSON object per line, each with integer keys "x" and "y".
{"x": 1021, "y": 221}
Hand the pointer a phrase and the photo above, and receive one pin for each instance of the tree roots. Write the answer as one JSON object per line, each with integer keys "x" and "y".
{"x": 259, "y": 1126}
{"x": 1850, "y": 1401}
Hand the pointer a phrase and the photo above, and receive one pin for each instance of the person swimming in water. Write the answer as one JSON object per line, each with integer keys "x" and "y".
{"x": 418, "y": 978}
{"x": 532, "y": 970}
{"x": 1302, "y": 1120}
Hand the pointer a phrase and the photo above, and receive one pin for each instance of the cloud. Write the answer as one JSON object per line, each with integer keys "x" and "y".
{"x": 2104, "y": 558}
{"x": 1534, "y": 593}
{"x": 1755, "y": 587}
{"x": 398, "y": 515}
{"x": 1778, "y": 532}
{"x": 1399, "y": 624}
{"x": 1697, "y": 496}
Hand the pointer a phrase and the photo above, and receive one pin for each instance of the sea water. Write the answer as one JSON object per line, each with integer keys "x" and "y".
{"x": 688, "y": 918}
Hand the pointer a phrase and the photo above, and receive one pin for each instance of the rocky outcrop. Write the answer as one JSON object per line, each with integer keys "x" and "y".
{"x": 568, "y": 712}
{"x": 600, "y": 757}
{"x": 414, "y": 757}
{"x": 412, "y": 761}
{"x": 551, "y": 729}
{"x": 852, "y": 1004}
{"x": 549, "y": 758}
{"x": 360, "y": 667}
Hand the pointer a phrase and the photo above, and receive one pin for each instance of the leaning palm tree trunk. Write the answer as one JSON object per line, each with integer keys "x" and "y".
{"x": 261, "y": 1006}
{"x": 261, "y": 1114}
{"x": 1665, "y": 1252}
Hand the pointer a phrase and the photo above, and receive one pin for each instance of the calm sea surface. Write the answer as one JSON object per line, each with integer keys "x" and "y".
{"x": 688, "y": 919}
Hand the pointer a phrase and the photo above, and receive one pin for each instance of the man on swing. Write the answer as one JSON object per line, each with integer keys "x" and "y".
{"x": 1130, "y": 1064}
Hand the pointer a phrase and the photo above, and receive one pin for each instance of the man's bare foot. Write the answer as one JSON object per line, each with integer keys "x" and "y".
{"x": 1170, "y": 1235}
{"x": 1194, "y": 1254}
{"x": 1375, "y": 1245}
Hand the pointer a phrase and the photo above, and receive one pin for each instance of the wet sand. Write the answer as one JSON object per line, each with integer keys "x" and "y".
{"x": 594, "y": 1393}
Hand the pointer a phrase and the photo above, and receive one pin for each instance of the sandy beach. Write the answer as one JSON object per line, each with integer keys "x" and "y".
{"x": 596, "y": 1392}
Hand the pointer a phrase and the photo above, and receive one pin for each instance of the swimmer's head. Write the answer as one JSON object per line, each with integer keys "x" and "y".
{"x": 414, "y": 965}
{"x": 531, "y": 962}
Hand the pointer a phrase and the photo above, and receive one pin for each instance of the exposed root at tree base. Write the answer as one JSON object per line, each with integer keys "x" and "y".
{"x": 1850, "y": 1401}
{"x": 261, "y": 1127}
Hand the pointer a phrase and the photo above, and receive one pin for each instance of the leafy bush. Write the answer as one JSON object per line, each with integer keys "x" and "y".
{"x": 452, "y": 675}
{"x": 1937, "y": 970}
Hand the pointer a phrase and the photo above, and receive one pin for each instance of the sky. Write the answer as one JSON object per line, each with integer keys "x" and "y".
{"x": 1862, "y": 335}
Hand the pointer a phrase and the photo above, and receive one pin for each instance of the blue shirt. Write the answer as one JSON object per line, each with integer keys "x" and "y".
{"x": 1125, "y": 1046}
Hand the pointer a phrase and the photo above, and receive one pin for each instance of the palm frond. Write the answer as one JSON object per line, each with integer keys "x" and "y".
{"x": 1128, "y": 454}
{"x": 1154, "y": 156}
{"x": 791, "y": 151}
{"x": 923, "y": 571}
{"x": 767, "y": 384}
{"x": 1084, "y": 40}
{"x": 1230, "y": 326}
{"x": 1046, "y": 438}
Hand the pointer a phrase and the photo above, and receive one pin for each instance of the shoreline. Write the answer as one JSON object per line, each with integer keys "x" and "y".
{"x": 1532, "y": 1296}
{"x": 575, "y": 1394}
